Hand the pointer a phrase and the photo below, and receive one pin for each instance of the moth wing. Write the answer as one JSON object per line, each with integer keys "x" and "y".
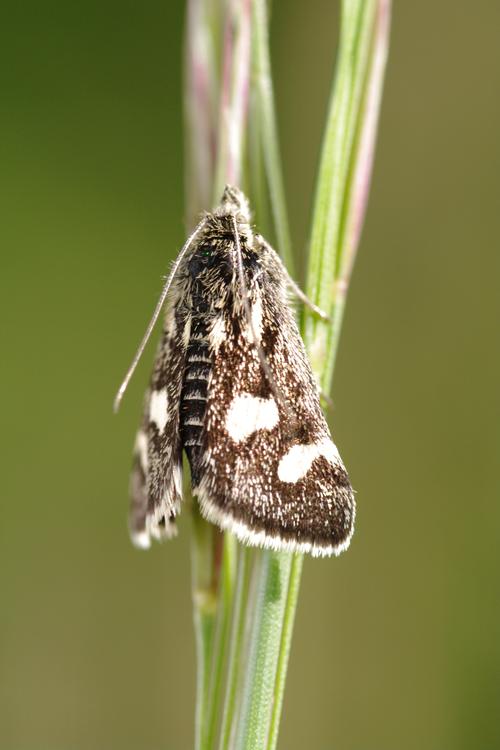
{"x": 156, "y": 480}
{"x": 269, "y": 471}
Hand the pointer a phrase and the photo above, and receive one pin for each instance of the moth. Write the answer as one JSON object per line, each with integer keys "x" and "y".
{"x": 232, "y": 388}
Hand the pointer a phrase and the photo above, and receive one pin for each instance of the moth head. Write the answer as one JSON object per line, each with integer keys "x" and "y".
{"x": 234, "y": 203}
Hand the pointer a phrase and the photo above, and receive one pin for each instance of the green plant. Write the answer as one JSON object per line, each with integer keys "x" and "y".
{"x": 245, "y": 600}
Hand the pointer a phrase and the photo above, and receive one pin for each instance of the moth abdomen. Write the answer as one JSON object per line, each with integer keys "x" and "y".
{"x": 194, "y": 391}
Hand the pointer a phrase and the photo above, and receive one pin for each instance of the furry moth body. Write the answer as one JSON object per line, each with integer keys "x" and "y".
{"x": 233, "y": 389}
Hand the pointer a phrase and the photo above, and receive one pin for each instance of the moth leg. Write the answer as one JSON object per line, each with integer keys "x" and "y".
{"x": 305, "y": 299}
{"x": 294, "y": 286}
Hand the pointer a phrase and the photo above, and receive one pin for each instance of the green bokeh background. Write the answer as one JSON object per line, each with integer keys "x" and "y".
{"x": 397, "y": 642}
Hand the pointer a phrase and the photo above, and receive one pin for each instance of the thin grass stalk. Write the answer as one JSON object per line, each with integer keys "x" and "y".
{"x": 258, "y": 190}
{"x": 233, "y": 106}
{"x": 201, "y": 92}
{"x": 236, "y": 649}
{"x": 361, "y": 166}
{"x": 291, "y": 600}
{"x": 265, "y": 120}
{"x": 339, "y": 152}
{"x": 333, "y": 167}
{"x": 247, "y": 616}
{"x": 204, "y": 594}
{"x": 220, "y": 640}
{"x": 263, "y": 650}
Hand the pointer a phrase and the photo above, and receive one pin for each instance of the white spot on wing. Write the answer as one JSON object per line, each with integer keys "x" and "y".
{"x": 248, "y": 413}
{"x": 296, "y": 463}
{"x": 141, "y": 448}
{"x": 158, "y": 408}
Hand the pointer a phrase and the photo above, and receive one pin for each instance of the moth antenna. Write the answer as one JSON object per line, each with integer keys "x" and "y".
{"x": 156, "y": 314}
{"x": 246, "y": 304}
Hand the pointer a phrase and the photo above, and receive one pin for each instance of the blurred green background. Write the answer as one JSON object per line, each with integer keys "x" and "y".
{"x": 397, "y": 642}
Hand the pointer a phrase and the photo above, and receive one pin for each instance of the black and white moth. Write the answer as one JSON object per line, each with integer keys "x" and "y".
{"x": 232, "y": 387}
